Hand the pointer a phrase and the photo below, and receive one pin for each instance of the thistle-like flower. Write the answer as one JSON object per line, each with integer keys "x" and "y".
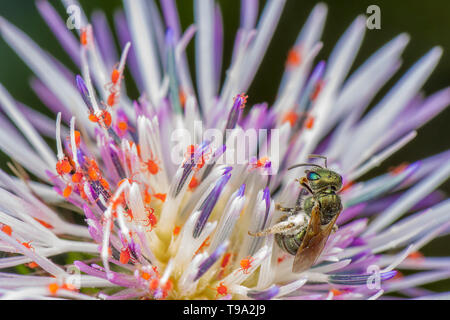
{"x": 168, "y": 211}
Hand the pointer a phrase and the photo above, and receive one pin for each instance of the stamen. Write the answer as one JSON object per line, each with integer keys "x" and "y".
{"x": 305, "y": 98}
{"x": 84, "y": 93}
{"x": 208, "y": 205}
{"x": 235, "y": 112}
{"x": 264, "y": 295}
{"x": 205, "y": 265}
{"x": 351, "y": 279}
{"x": 173, "y": 80}
{"x": 231, "y": 214}
{"x": 73, "y": 143}
{"x": 60, "y": 153}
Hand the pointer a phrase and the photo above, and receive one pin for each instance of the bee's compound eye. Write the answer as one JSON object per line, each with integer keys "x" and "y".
{"x": 312, "y": 176}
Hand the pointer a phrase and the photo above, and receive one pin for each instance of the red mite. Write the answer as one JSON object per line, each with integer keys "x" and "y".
{"x": 222, "y": 289}
{"x": 246, "y": 264}
{"x": 112, "y": 99}
{"x": 151, "y": 219}
{"x": 151, "y": 166}
{"x": 115, "y": 76}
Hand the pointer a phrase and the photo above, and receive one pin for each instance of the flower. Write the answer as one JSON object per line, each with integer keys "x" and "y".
{"x": 160, "y": 224}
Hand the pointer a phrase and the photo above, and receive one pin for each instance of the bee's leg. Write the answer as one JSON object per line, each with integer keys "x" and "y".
{"x": 304, "y": 183}
{"x": 335, "y": 228}
{"x": 279, "y": 207}
{"x": 287, "y": 226}
{"x": 280, "y": 227}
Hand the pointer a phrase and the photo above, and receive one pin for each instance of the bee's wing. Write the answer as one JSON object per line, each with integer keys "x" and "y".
{"x": 314, "y": 241}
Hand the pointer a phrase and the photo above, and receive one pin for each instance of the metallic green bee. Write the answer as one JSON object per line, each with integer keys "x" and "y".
{"x": 305, "y": 229}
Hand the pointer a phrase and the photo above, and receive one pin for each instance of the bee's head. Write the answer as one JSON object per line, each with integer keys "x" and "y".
{"x": 321, "y": 178}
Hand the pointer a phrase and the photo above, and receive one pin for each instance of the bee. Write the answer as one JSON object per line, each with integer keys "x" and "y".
{"x": 304, "y": 230}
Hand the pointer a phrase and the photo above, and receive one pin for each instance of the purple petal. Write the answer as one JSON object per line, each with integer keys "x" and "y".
{"x": 264, "y": 295}
{"x": 205, "y": 265}
{"x": 208, "y": 205}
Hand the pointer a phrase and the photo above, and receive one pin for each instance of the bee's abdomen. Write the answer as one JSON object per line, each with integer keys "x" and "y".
{"x": 290, "y": 243}
{"x": 330, "y": 205}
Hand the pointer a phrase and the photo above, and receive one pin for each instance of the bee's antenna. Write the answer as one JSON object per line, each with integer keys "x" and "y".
{"x": 319, "y": 156}
{"x": 304, "y": 165}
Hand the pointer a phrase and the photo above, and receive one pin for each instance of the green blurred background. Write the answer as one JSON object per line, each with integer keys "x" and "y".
{"x": 427, "y": 22}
